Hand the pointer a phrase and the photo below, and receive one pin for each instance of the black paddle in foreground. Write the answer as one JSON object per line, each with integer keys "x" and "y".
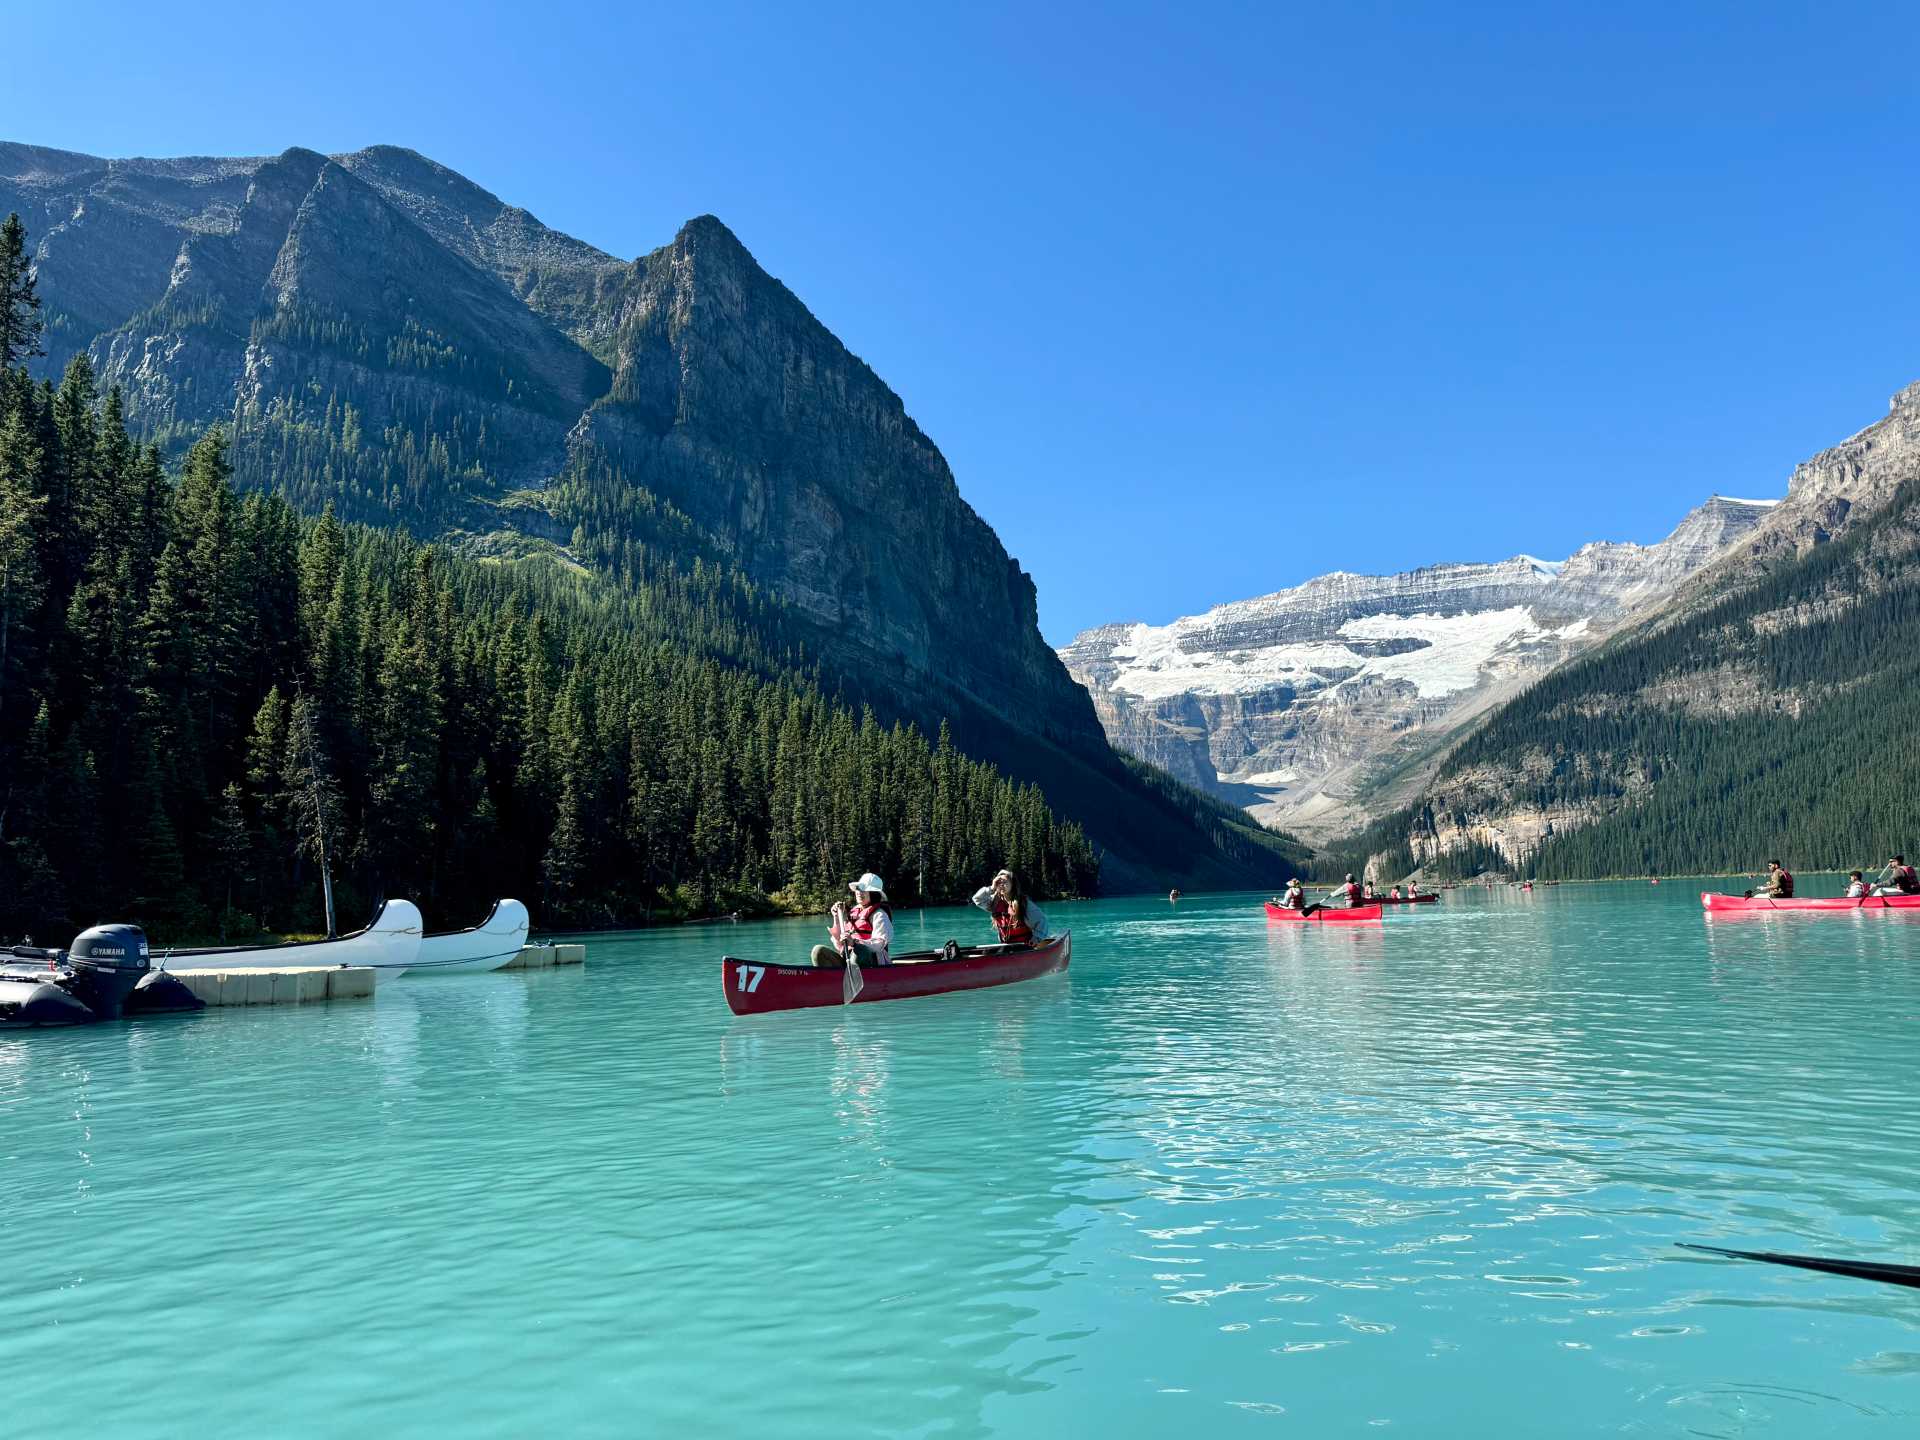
{"x": 1859, "y": 1269}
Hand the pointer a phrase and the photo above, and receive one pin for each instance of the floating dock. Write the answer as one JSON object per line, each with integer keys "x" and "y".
{"x": 295, "y": 985}
{"x": 539, "y": 957}
{"x": 305, "y": 984}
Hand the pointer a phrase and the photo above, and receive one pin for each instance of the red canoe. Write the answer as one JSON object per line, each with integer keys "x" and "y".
{"x": 754, "y": 987}
{"x": 1358, "y": 912}
{"x": 1406, "y": 900}
{"x": 1761, "y": 903}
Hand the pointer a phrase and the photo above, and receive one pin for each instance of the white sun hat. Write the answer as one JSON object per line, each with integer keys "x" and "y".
{"x": 871, "y": 884}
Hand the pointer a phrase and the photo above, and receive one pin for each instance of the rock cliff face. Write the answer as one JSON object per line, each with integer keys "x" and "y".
{"x": 365, "y": 323}
{"x": 383, "y": 335}
{"x": 438, "y": 351}
{"x": 744, "y": 412}
{"x": 1825, "y": 495}
{"x": 1303, "y": 705}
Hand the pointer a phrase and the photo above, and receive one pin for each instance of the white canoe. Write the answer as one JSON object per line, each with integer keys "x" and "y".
{"x": 387, "y": 947}
{"x": 486, "y": 946}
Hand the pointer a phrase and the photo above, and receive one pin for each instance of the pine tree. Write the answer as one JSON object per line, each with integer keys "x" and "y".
{"x": 21, "y": 514}
{"x": 231, "y": 844}
{"x": 20, "y": 323}
{"x": 154, "y": 882}
{"x": 565, "y": 862}
{"x": 315, "y": 810}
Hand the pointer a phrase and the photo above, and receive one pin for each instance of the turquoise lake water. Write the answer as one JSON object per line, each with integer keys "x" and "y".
{"x": 1221, "y": 1178}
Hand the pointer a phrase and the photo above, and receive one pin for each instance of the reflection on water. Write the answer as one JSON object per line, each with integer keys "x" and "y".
{"x": 1223, "y": 1176}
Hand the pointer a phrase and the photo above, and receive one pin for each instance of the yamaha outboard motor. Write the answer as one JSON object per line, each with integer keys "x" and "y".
{"x": 108, "y": 961}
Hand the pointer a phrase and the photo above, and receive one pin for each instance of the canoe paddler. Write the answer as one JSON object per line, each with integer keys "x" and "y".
{"x": 1295, "y": 897}
{"x": 1896, "y": 877}
{"x": 1856, "y": 885}
{"x": 1779, "y": 883}
{"x": 1016, "y": 919}
{"x": 1347, "y": 894}
{"x": 861, "y": 932}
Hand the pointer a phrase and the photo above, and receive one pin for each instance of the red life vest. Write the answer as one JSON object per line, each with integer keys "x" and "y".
{"x": 860, "y": 922}
{"x": 1785, "y": 880}
{"x": 1012, "y": 931}
{"x": 1904, "y": 879}
{"x": 1353, "y": 893}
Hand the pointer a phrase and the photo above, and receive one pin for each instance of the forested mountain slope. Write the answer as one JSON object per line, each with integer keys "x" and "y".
{"x": 380, "y": 334}
{"x": 1769, "y": 710}
{"x": 193, "y": 684}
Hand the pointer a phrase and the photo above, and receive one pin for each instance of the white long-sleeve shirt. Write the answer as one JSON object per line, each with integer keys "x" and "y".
{"x": 1036, "y": 919}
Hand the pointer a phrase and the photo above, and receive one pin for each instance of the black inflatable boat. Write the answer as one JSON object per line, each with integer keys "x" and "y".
{"x": 104, "y": 975}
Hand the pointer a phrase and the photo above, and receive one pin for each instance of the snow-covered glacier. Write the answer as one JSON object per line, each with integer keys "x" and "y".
{"x": 1305, "y": 704}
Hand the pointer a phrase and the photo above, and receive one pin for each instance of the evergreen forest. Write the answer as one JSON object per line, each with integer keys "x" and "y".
{"x": 199, "y": 689}
{"x": 1777, "y": 720}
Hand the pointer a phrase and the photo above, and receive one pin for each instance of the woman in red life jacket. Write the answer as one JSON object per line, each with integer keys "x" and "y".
{"x": 1295, "y": 898}
{"x": 861, "y": 932}
{"x": 1017, "y": 919}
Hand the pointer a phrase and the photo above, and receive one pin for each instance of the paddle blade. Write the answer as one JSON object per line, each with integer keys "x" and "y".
{"x": 851, "y": 982}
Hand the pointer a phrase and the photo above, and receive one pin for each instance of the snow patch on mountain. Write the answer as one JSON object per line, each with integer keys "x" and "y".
{"x": 1294, "y": 703}
{"x": 1436, "y": 654}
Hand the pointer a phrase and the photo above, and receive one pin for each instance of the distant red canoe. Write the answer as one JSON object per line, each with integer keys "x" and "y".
{"x": 1406, "y": 899}
{"x": 1358, "y": 912}
{"x": 754, "y": 987}
{"x": 1760, "y": 904}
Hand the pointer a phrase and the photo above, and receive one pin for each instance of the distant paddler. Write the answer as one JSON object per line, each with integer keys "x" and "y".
{"x": 1173, "y": 897}
{"x": 862, "y": 933}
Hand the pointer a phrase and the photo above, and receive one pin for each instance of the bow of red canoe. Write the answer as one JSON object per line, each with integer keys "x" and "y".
{"x": 1358, "y": 912}
{"x": 754, "y": 987}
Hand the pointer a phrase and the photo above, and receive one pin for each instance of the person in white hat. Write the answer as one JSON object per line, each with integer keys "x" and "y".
{"x": 861, "y": 932}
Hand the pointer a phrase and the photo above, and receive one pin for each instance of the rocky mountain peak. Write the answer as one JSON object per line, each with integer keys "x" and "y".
{"x": 1830, "y": 491}
{"x": 745, "y": 412}
{"x": 709, "y": 234}
{"x": 1294, "y": 703}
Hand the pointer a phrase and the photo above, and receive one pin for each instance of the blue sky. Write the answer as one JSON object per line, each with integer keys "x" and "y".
{"x": 1201, "y": 300}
